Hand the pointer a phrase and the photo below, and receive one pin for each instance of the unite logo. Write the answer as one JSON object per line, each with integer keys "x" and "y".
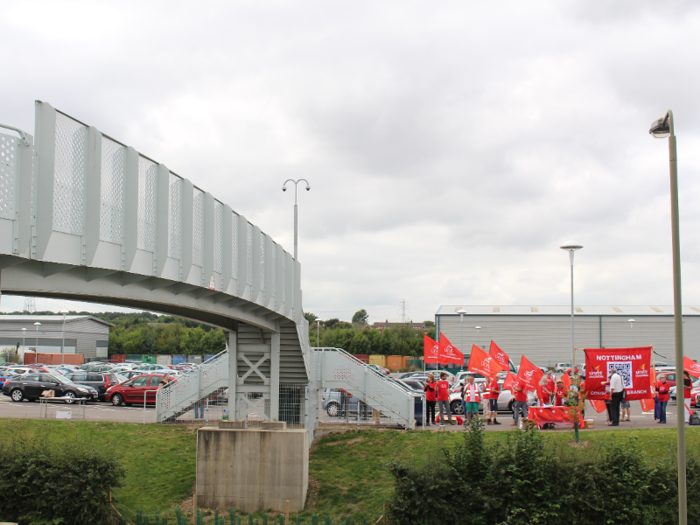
{"x": 434, "y": 349}
{"x": 449, "y": 350}
{"x": 641, "y": 373}
{"x": 529, "y": 373}
{"x": 596, "y": 374}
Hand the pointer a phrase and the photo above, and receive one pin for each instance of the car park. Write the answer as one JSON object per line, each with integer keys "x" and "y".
{"x": 31, "y": 386}
{"x": 152, "y": 367}
{"x": 134, "y": 390}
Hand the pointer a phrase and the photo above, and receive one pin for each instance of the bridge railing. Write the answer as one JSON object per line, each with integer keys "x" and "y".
{"x": 79, "y": 197}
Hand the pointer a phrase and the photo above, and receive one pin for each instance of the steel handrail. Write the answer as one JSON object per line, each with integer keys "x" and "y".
{"x": 144, "y": 402}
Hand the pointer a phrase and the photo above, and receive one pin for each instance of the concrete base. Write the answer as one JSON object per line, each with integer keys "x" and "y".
{"x": 252, "y": 469}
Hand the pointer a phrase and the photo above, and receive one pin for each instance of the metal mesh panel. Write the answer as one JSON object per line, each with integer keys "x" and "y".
{"x": 234, "y": 246}
{"x": 112, "y": 191}
{"x": 69, "y": 175}
{"x": 146, "y": 230}
{"x": 283, "y": 264}
{"x": 262, "y": 262}
{"x": 175, "y": 218}
{"x": 249, "y": 241}
{"x": 218, "y": 225}
{"x": 197, "y": 227}
{"x": 9, "y": 168}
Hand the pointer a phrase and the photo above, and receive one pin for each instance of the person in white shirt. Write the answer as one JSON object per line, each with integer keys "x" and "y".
{"x": 617, "y": 390}
{"x": 471, "y": 397}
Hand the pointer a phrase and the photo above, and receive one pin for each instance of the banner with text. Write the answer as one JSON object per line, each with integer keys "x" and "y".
{"x": 431, "y": 350}
{"x": 633, "y": 365}
{"x": 482, "y": 363}
{"x": 499, "y": 355}
{"x": 448, "y": 353}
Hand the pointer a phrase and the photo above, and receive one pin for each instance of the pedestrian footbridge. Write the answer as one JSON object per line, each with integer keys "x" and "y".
{"x": 86, "y": 217}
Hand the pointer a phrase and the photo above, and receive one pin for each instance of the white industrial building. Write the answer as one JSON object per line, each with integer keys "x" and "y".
{"x": 83, "y": 334}
{"x": 543, "y": 333}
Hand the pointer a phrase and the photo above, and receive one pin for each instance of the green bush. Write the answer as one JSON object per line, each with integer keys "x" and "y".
{"x": 526, "y": 481}
{"x": 49, "y": 482}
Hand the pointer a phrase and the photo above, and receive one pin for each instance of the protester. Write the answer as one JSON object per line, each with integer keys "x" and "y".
{"x": 657, "y": 402}
{"x": 551, "y": 386}
{"x": 494, "y": 392}
{"x": 606, "y": 399}
{"x": 687, "y": 385}
{"x": 470, "y": 395}
{"x": 617, "y": 390}
{"x": 662, "y": 390}
{"x": 430, "y": 398}
{"x": 443, "y": 398}
{"x": 625, "y": 410}
{"x": 559, "y": 394}
{"x": 542, "y": 395}
{"x": 520, "y": 402}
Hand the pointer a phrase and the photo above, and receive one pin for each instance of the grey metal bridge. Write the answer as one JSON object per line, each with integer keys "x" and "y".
{"x": 85, "y": 217}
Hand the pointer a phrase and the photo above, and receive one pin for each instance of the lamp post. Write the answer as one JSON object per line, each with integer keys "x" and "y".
{"x": 24, "y": 337}
{"x": 63, "y": 334}
{"x": 660, "y": 129}
{"x": 36, "y": 329}
{"x": 631, "y": 322}
{"x": 461, "y": 313}
{"x": 477, "y": 328}
{"x": 296, "y": 210}
{"x": 571, "y": 247}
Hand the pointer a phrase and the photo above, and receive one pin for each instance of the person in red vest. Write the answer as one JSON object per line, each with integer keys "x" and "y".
{"x": 542, "y": 395}
{"x": 551, "y": 386}
{"x": 494, "y": 392}
{"x": 443, "y": 398}
{"x": 430, "y": 398}
{"x": 687, "y": 386}
{"x": 662, "y": 392}
{"x": 520, "y": 402}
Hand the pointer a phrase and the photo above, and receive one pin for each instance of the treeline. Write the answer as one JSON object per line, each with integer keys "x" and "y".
{"x": 362, "y": 339}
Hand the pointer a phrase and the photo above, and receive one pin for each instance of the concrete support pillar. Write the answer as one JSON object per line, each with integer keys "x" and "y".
{"x": 275, "y": 344}
{"x": 232, "y": 344}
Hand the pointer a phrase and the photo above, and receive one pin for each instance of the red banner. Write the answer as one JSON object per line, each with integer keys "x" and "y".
{"x": 431, "y": 350}
{"x": 566, "y": 378}
{"x": 597, "y": 405}
{"x": 647, "y": 404}
{"x": 691, "y": 367}
{"x": 499, "y": 355}
{"x": 482, "y": 363}
{"x": 633, "y": 365}
{"x": 541, "y": 415}
{"x": 448, "y": 353}
{"x": 529, "y": 374}
{"x": 509, "y": 382}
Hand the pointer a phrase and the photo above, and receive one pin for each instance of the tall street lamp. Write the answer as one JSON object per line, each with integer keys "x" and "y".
{"x": 571, "y": 247}
{"x": 461, "y": 313}
{"x": 63, "y": 334}
{"x": 477, "y": 328}
{"x": 296, "y": 210}
{"x": 631, "y": 322}
{"x": 660, "y": 129}
{"x": 24, "y": 337}
{"x": 36, "y": 329}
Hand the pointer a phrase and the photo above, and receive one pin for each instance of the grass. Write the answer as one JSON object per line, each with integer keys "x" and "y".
{"x": 348, "y": 474}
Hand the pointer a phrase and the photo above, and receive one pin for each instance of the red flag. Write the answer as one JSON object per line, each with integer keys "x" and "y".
{"x": 647, "y": 404}
{"x": 597, "y": 405}
{"x": 499, "y": 355}
{"x": 566, "y": 378}
{"x": 691, "y": 367}
{"x": 448, "y": 353}
{"x": 529, "y": 374}
{"x": 431, "y": 350}
{"x": 633, "y": 365}
{"x": 482, "y": 363}
{"x": 509, "y": 382}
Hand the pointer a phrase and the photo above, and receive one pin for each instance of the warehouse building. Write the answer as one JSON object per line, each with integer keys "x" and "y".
{"x": 543, "y": 333}
{"x": 84, "y": 334}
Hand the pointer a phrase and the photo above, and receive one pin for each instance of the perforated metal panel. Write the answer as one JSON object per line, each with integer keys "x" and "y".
{"x": 197, "y": 227}
{"x": 234, "y": 246}
{"x": 218, "y": 225}
{"x": 175, "y": 218}
{"x": 283, "y": 264}
{"x": 9, "y": 172}
{"x": 262, "y": 262}
{"x": 112, "y": 191}
{"x": 273, "y": 265}
{"x": 146, "y": 229}
{"x": 249, "y": 242}
{"x": 69, "y": 175}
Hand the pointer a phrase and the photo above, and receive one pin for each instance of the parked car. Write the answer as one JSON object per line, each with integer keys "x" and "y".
{"x": 99, "y": 381}
{"x": 380, "y": 369}
{"x": 152, "y": 367}
{"x": 505, "y": 400}
{"x": 694, "y": 393}
{"x": 31, "y": 386}
{"x": 133, "y": 390}
{"x": 669, "y": 372}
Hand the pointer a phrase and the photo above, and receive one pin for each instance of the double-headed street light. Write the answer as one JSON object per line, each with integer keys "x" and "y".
{"x": 661, "y": 129}
{"x": 571, "y": 247}
{"x": 296, "y": 210}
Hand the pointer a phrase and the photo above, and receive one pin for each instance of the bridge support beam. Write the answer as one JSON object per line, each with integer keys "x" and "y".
{"x": 232, "y": 344}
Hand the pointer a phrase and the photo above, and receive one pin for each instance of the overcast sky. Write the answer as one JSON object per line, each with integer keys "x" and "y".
{"x": 451, "y": 147}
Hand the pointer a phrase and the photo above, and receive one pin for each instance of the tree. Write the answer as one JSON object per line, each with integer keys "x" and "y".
{"x": 360, "y": 317}
{"x": 311, "y": 318}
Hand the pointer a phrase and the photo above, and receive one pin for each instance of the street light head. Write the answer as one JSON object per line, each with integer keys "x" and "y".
{"x": 64, "y": 312}
{"x": 571, "y": 246}
{"x": 660, "y": 128}
{"x": 37, "y": 324}
{"x": 24, "y": 329}
{"x": 630, "y": 320}
{"x": 461, "y": 311}
{"x": 478, "y": 327}
{"x": 308, "y": 188}
{"x": 284, "y": 188}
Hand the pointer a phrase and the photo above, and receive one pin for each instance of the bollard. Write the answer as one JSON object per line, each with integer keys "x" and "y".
{"x": 347, "y": 520}
{"x": 328, "y": 520}
{"x": 264, "y": 519}
{"x": 216, "y": 516}
{"x": 145, "y": 520}
{"x": 178, "y": 516}
{"x": 232, "y": 516}
{"x": 139, "y": 517}
{"x": 282, "y": 519}
{"x": 314, "y": 520}
{"x": 157, "y": 518}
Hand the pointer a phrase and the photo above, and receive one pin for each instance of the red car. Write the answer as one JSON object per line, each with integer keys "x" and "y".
{"x": 133, "y": 390}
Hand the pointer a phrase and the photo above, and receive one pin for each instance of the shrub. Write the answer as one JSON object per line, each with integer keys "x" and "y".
{"x": 49, "y": 482}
